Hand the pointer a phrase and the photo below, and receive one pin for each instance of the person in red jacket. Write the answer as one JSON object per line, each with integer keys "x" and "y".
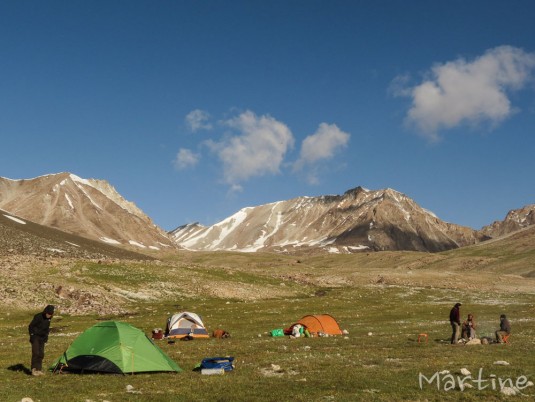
{"x": 455, "y": 321}
{"x": 39, "y": 329}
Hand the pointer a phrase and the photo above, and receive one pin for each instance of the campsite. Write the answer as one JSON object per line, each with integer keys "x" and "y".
{"x": 383, "y": 301}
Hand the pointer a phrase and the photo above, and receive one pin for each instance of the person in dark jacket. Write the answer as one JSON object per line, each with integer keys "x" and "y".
{"x": 39, "y": 329}
{"x": 455, "y": 321}
{"x": 505, "y": 329}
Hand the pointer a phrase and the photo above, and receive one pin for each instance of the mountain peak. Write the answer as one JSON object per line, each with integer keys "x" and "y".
{"x": 86, "y": 207}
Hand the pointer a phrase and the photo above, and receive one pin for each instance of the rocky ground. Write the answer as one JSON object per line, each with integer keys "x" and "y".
{"x": 39, "y": 266}
{"x": 34, "y": 259}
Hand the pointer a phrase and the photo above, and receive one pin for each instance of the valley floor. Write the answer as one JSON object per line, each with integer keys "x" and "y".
{"x": 384, "y": 302}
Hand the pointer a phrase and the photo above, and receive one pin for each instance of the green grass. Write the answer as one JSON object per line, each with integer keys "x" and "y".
{"x": 382, "y": 367}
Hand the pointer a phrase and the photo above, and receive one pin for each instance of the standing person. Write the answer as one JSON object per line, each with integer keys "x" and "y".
{"x": 455, "y": 321}
{"x": 505, "y": 328}
{"x": 39, "y": 329}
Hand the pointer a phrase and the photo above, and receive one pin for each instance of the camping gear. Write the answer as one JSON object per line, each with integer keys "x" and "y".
{"x": 212, "y": 371}
{"x": 186, "y": 324}
{"x": 320, "y": 325}
{"x": 224, "y": 363}
{"x": 220, "y": 334}
{"x": 297, "y": 330}
{"x": 277, "y": 332}
{"x": 114, "y": 347}
{"x": 422, "y": 337}
{"x": 157, "y": 333}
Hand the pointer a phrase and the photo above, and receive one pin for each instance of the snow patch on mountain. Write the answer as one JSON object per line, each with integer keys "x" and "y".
{"x": 15, "y": 219}
{"x": 137, "y": 244}
{"x": 110, "y": 241}
{"x": 69, "y": 200}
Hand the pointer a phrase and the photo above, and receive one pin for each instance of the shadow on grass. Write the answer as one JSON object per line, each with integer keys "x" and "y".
{"x": 20, "y": 367}
{"x": 424, "y": 340}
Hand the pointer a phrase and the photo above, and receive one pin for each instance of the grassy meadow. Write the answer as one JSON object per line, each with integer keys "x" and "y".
{"x": 393, "y": 296}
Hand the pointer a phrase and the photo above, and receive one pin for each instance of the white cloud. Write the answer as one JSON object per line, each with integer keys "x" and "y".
{"x": 259, "y": 149}
{"x": 185, "y": 158}
{"x": 321, "y": 145}
{"x": 198, "y": 120}
{"x": 469, "y": 92}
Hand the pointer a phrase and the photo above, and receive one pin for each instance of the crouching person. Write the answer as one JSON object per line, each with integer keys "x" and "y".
{"x": 39, "y": 329}
{"x": 505, "y": 329}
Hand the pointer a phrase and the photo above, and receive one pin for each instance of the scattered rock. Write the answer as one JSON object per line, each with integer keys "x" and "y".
{"x": 130, "y": 389}
{"x": 474, "y": 341}
{"x": 371, "y": 391}
{"x": 508, "y": 391}
{"x": 465, "y": 372}
{"x": 273, "y": 371}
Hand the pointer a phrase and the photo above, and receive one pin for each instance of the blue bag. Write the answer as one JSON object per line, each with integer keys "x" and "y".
{"x": 225, "y": 363}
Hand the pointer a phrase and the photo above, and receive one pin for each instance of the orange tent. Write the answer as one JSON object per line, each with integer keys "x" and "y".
{"x": 320, "y": 323}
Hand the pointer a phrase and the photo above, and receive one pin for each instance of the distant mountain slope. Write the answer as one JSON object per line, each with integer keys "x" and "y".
{"x": 515, "y": 220}
{"x": 21, "y": 237}
{"x": 358, "y": 220}
{"x": 89, "y": 208}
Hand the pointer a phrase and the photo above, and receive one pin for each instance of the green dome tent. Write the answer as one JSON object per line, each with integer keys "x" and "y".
{"x": 114, "y": 347}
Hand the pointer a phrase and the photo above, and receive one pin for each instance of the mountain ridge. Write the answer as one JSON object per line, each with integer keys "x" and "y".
{"x": 360, "y": 219}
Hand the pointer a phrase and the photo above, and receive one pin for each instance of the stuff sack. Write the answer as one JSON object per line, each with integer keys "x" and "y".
{"x": 157, "y": 333}
{"x": 277, "y": 332}
{"x": 220, "y": 334}
{"x": 225, "y": 363}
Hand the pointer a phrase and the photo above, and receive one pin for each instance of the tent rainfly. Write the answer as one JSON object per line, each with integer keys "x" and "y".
{"x": 324, "y": 323}
{"x": 114, "y": 347}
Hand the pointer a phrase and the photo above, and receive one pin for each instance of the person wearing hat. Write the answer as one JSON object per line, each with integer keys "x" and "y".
{"x": 505, "y": 328}
{"x": 455, "y": 321}
{"x": 39, "y": 329}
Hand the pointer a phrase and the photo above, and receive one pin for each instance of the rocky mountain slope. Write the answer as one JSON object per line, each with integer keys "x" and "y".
{"x": 515, "y": 220}
{"x": 358, "y": 220}
{"x": 19, "y": 237}
{"x": 89, "y": 208}
{"x": 40, "y": 265}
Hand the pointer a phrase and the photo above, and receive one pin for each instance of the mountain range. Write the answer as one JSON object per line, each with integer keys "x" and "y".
{"x": 359, "y": 220}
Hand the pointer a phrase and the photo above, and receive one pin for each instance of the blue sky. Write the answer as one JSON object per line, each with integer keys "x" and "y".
{"x": 196, "y": 109}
